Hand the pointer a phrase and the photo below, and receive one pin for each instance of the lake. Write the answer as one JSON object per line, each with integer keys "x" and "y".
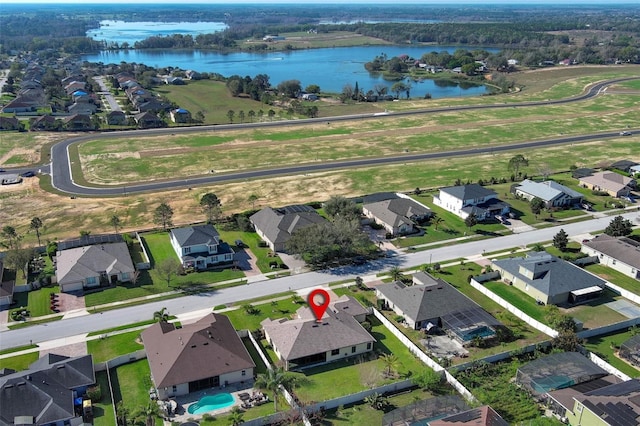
{"x": 329, "y": 68}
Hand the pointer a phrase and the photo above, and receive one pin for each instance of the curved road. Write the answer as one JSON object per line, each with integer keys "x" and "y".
{"x": 62, "y": 177}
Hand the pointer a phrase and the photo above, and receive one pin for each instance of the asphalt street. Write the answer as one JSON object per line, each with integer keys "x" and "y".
{"x": 183, "y": 305}
{"x": 62, "y": 177}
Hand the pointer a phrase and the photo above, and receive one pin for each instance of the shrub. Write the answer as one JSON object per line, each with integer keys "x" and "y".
{"x": 398, "y": 318}
{"x": 262, "y": 244}
{"x": 94, "y": 393}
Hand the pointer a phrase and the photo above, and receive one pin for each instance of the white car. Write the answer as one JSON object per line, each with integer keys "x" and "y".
{"x": 625, "y": 133}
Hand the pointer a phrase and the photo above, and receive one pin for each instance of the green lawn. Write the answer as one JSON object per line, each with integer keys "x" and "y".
{"x": 615, "y": 277}
{"x": 350, "y": 376}
{"x": 19, "y": 362}
{"x": 114, "y": 346}
{"x": 363, "y": 414}
{"x": 131, "y": 383}
{"x": 593, "y": 314}
{"x": 38, "y": 302}
{"x": 602, "y": 346}
{"x": 103, "y": 410}
{"x": 243, "y": 321}
{"x": 252, "y": 239}
{"x": 150, "y": 282}
{"x": 261, "y": 368}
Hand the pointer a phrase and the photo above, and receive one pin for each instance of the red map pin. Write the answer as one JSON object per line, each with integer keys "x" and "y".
{"x": 318, "y": 310}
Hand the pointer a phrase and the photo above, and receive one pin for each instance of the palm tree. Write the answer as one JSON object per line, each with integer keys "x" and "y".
{"x": 395, "y": 273}
{"x": 236, "y": 416}
{"x": 115, "y": 222}
{"x": 161, "y": 316}
{"x": 122, "y": 414}
{"x": 391, "y": 363}
{"x": 436, "y": 222}
{"x": 36, "y": 224}
{"x": 148, "y": 414}
{"x": 272, "y": 380}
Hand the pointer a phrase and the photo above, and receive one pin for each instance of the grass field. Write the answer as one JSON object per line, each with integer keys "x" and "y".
{"x": 114, "y": 346}
{"x": 38, "y": 302}
{"x": 64, "y": 217}
{"x": 131, "y": 383}
{"x": 606, "y": 347}
{"x": 19, "y": 362}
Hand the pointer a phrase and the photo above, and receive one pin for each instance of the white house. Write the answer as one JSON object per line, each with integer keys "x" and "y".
{"x": 200, "y": 247}
{"x": 552, "y": 193}
{"x": 619, "y": 253}
{"x": 464, "y": 200}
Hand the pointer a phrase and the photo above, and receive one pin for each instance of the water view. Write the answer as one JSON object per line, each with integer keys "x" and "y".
{"x": 329, "y": 68}
{"x": 129, "y": 32}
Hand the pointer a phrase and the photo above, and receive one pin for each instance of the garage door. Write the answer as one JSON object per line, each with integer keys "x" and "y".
{"x": 67, "y": 288}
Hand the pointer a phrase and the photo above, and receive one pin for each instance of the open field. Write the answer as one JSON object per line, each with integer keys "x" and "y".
{"x": 305, "y": 40}
{"x": 64, "y": 217}
{"x": 145, "y": 158}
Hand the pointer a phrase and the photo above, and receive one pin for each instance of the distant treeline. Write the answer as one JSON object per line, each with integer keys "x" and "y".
{"x": 530, "y": 34}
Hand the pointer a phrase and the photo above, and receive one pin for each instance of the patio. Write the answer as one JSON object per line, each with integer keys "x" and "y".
{"x": 237, "y": 390}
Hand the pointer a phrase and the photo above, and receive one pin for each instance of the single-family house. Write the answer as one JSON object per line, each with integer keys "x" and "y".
{"x": 85, "y": 107}
{"x": 200, "y": 247}
{"x": 75, "y": 86}
{"x": 193, "y": 75}
{"x": 398, "y": 214}
{"x": 616, "y": 404}
{"x": 9, "y": 123}
{"x": 559, "y": 401}
{"x": 116, "y": 118}
{"x": 44, "y": 122}
{"x": 6, "y": 289}
{"x": 309, "y": 97}
{"x": 152, "y": 105}
{"x": 147, "y": 120}
{"x": 90, "y": 266}
{"x": 548, "y": 279}
{"x": 552, "y": 193}
{"x": 173, "y": 80}
{"x": 46, "y": 393}
{"x": 20, "y": 104}
{"x": 635, "y": 170}
{"x": 77, "y": 122}
{"x": 432, "y": 302}
{"x": 275, "y": 226}
{"x": 464, "y": 200}
{"x": 619, "y": 253}
{"x": 180, "y": 115}
{"x": 612, "y": 183}
{"x": 202, "y": 355}
{"x": 304, "y": 341}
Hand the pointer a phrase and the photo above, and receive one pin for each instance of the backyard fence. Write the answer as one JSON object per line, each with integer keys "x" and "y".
{"x": 359, "y": 396}
{"x": 515, "y": 311}
{"x": 413, "y": 348}
{"x": 118, "y": 361}
{"x": 624, "y": 293}
{"x": 608, "y": 367}
{"x": 147, "y": 264}
{"x": 258, "y": 348}
{"x": 586, "y": 334}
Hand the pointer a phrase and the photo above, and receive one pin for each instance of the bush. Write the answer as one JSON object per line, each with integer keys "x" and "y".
{"x": 262, "y": 244}
{"x": 94, "y": 393}
{"x": 398, "y": 318}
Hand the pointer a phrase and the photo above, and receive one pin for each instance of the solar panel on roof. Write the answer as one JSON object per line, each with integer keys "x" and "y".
{"x": 89, "y": 240}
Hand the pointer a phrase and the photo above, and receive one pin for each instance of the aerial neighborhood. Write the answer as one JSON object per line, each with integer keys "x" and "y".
{"x": 182, "y": 248}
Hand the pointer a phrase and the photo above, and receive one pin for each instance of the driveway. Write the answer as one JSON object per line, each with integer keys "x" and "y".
{"x": 247, "y": 262}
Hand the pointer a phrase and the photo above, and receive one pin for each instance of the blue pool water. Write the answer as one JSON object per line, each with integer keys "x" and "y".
{"x": 210, "y": 403}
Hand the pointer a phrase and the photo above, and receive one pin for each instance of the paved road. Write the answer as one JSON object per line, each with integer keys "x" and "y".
{"x": 183, "y": 305}
{"x": 108, "y": 96}
{"x": 63, "y": 180}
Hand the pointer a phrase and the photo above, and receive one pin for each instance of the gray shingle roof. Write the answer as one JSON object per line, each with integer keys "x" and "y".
{"x": 433, "y": 298}
{"x": 195, "y": 235}
{"x": 305, "y": 336}
{"x": 397, "y": 211}
{"x": 278, "y": 224}
{"x": 550, "y": 275}
{"x": 468, "y": 192}
{"x": 623, "y": 249}
{"x": 206, "y": 348}
{"x": 78, "y": 263}
{"x": 45, "y": 390}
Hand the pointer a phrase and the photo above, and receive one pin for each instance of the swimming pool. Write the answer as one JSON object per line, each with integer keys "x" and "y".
{"x": 210, "y": 403}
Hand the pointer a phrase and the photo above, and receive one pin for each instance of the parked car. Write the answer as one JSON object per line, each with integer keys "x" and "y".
{"x": 2, "y": 170}
{"x": 28, "y": 174}
{"x": 625, "y": 133}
